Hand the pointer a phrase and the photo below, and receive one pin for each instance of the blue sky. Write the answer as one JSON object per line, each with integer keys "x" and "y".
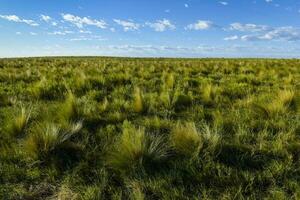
{"x": 159, "y": 28}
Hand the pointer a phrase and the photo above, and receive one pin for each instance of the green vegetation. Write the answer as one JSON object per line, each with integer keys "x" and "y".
{"x": 128, "y": 128}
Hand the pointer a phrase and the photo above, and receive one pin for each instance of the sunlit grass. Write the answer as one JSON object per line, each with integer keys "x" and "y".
{"x": 135, "y": 149}
{"x": 20, "y": 122}
{"x": 186, "y": 140}
{"x": 127, "y": 128}
{"x": 208, "y": 93}
{"x": 47, "y": 137}
{"x": 137, "y": 100}
{"x": 284, "y": 101}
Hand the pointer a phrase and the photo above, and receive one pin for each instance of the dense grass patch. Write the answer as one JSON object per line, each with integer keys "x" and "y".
{"x": 126, "y": 128}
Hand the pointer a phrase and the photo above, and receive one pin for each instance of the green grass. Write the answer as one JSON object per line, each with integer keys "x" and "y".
{"x": 46, "y": 139}
{"x": 135, "y": 150}
{"x": 18, "y": 124}
{"x": 137, "y": 100}
{"x": 139, "y": 128}
{"x": 186, "y": 140}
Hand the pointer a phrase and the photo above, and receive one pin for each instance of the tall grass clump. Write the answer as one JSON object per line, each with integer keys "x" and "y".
{"x": 165, "y": 99}
{"x": 208, "y": 93}
{"x": 48, "y": 138}
{"x": 20, "y": 122}
{"x": 135, "y": 189}
{"x": 137, "y": 100}
{"x": 49, "y": 89}
{"x": 37, "y": 89}
{"x": 289, "y": 99}
{"x": 79, "y": 80}
{"x": 284, "y": 101}
{"x": 70, "y": 109}
{"x": 102, "y": 106}
{"x": 168, "y": 80}
{"x": 65, "y": 193}
{"x": 186, "y": 140}
{"x": 136, "y": 150}
{"x": 211, "y": 138}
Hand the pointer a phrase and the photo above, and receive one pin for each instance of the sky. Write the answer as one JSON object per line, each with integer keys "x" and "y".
{"x": 150, "y": 28}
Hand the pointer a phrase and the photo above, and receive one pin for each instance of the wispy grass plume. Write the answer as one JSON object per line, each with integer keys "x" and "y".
{"x": 186, "y": 140}
{"x": 208, "y": 93}
{"x": 20, "y": 122}
{"x": 284, "y": 101}
{"x": 136, "y": 150}
{"x": 48, "y": 137}
{"x": 137, "y": 100}
{"x": 70, "y": 110}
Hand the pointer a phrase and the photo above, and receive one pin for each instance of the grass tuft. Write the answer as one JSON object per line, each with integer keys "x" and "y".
{"x": 135, "y": 189}
{"x": 137, "y": 100}
{"x": 284, "y": 101}
{"x": 211, "y": 138}
{"x": 136, "y": 150}
{"x": 186, "y": 140}
{"x": 20, "y": 122}
{"x": 46, "y": 138}
{"x": 70, "y": 110}
{"x": 208, "y": 93}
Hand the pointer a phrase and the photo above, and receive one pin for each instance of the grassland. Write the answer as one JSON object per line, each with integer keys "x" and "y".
{"x": 124, "y": 128}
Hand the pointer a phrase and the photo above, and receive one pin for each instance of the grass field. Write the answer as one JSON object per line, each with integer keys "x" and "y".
{"x": 125, "y": 128}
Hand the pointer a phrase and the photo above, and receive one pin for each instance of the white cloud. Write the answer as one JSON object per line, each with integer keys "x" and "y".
{"x": 93, "y": 37}
{"x": 234, "y": 37}
{"x": 15, "y": 18}
{"x": 60, "y": 33}
{"x": 18, "y": 33}
{"x": 200, "y": 25}
{"x": 278, "y": 34}
{"x": 161, "y": 25}
{"x": 33, "y": 33}
{"x": 80, "y": 39}
{"x": 81, "y": 21}
{"x": 85, "y": 32}
{"x": 57, "y": 33}
{"x": 186, "y": 5}
{"x": 266, "y": 33}
{"x": 224, "y": 3}
{"x": 197, "y": 51}
{"x": 45, "y": 18}
{"x": 269, "y": 1}
{"x": 248, "y": 27}
{"x": 127, "y": 25}
{"x": 48, "y": 19}
{"x": 96, "y": 48}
